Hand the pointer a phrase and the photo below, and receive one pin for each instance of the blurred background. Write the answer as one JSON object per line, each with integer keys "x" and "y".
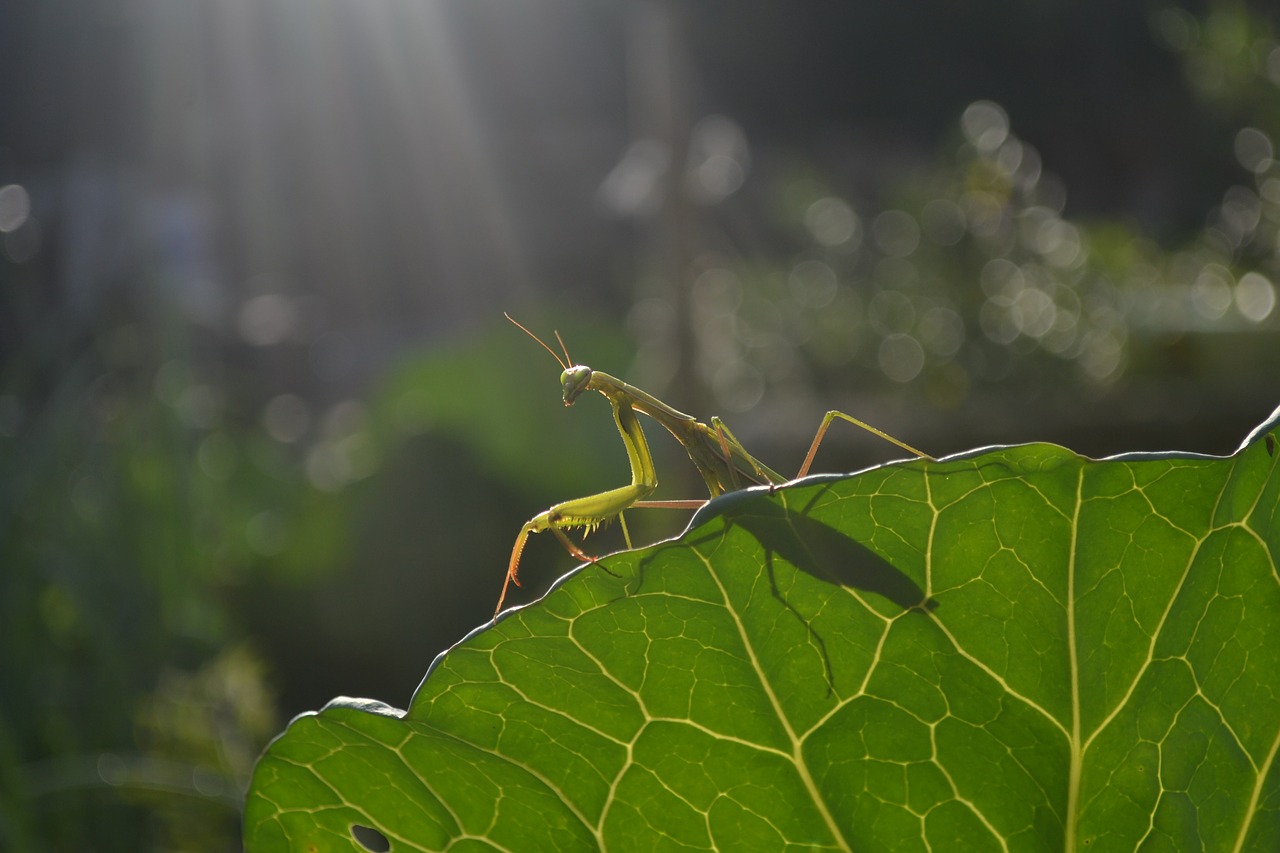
{"x": 265, "y": 437}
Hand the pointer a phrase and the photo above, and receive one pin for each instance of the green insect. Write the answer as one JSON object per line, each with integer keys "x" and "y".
{"x": 725, "y": 465}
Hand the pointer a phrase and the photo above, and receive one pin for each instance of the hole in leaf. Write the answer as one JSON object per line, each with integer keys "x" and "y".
{"x": 370, "y": 839}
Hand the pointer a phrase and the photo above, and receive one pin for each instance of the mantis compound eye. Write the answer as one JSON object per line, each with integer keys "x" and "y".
{"x": 574, "y": 381}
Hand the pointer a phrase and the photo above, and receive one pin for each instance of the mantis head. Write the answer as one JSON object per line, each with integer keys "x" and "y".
{"x": 574, "y": 381}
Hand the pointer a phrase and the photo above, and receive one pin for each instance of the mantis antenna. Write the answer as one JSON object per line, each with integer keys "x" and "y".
{"x": 564, "y": 364}
{"x": 568, "y": 359}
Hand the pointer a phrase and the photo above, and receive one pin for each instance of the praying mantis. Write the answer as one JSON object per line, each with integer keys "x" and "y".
{"x": 725, "y": 465}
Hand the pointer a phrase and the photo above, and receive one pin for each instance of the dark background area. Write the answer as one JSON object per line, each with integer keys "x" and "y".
{"x": 266, "y": 439}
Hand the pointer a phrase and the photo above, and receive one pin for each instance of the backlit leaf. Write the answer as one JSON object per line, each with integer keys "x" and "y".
{"x": 1016, "y": 649}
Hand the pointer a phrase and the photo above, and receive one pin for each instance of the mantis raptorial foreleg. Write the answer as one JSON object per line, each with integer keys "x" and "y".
{"x": 725, "y": 465}
{"x": 593, "y": 510}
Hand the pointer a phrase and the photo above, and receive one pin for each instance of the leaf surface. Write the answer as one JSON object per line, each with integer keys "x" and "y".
{"x": 1017, "y": 649}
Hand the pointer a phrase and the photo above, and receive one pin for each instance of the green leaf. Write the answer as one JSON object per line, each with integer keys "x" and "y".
{"x": 1017, "y": 649}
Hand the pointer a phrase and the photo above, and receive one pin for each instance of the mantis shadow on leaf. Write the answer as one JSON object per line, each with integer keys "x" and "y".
{"x": 813, "y": 547}
{"x": 818, "y": 549}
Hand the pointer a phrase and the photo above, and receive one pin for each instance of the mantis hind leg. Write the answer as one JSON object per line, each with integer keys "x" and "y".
{"x": 827, "y": 420}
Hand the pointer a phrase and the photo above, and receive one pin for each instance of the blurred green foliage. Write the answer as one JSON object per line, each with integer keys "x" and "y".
{"x": 968, "y": 289}
{"x": 130, "y": 505}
